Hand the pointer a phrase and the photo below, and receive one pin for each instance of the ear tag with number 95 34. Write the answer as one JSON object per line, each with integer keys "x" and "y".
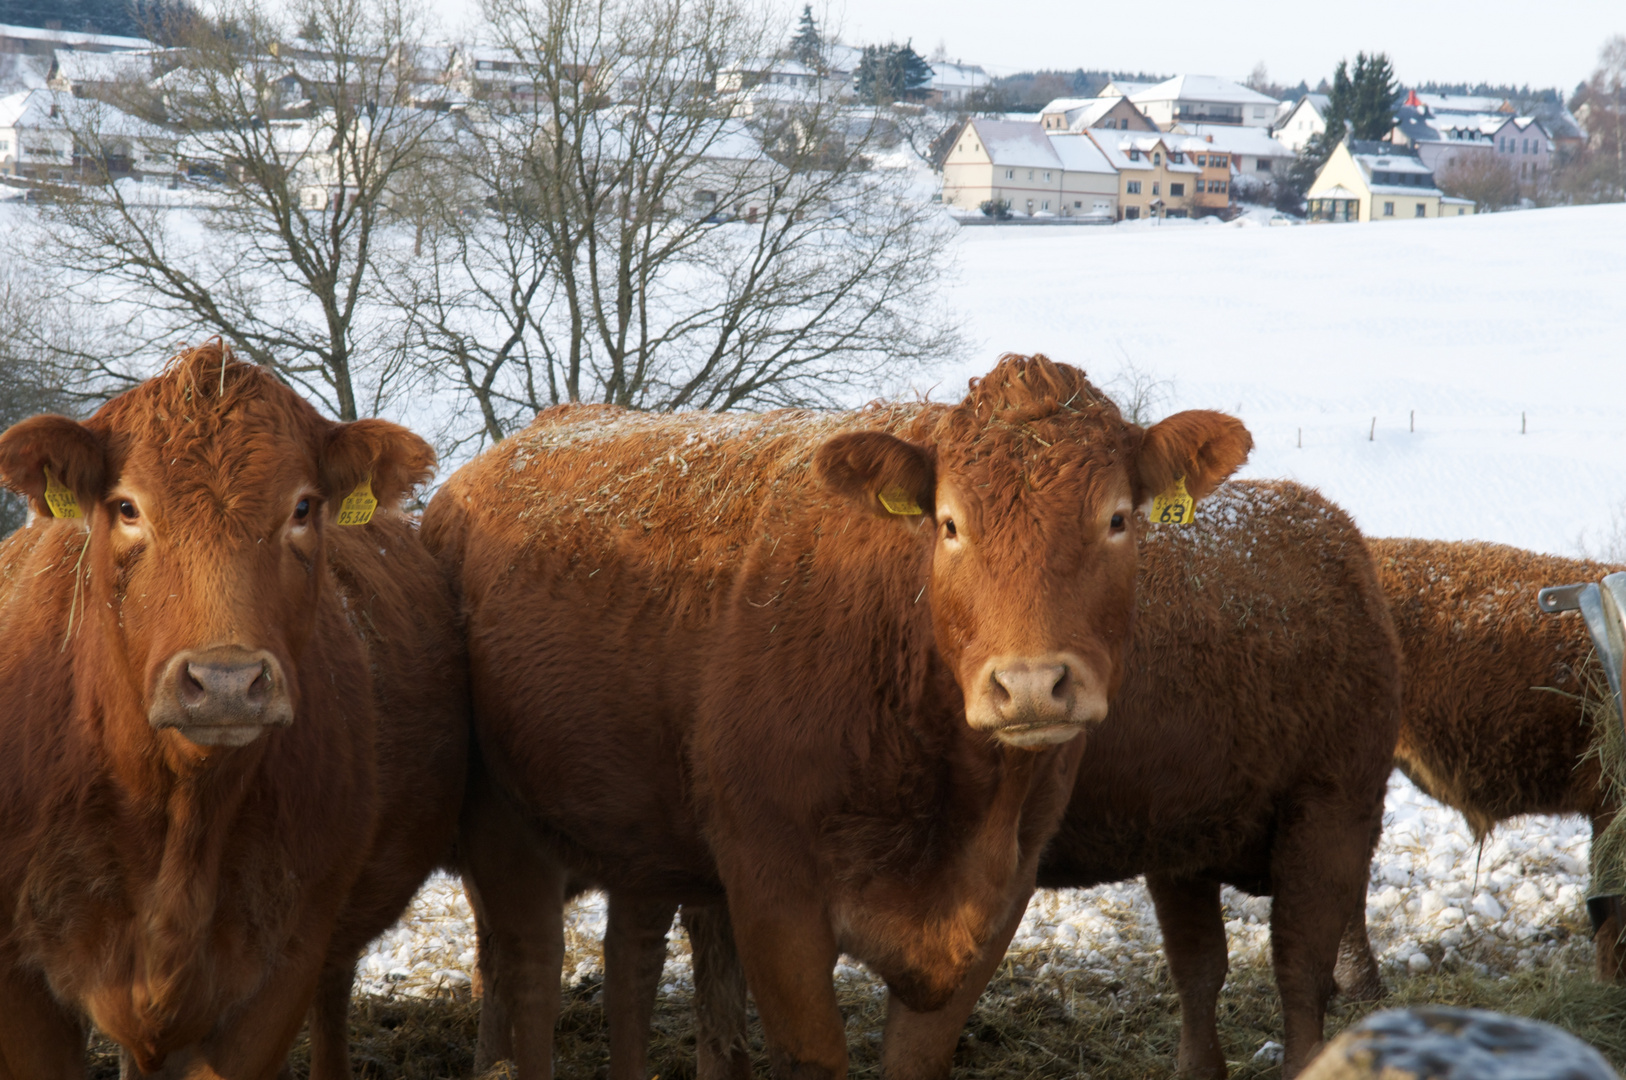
{"x": 358, "y": 506}
{"x": 1174, "y": 506}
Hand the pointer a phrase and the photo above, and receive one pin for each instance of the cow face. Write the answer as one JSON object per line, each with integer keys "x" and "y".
{"x": 1029, "y": 488}
{"x": 207, "y": 493}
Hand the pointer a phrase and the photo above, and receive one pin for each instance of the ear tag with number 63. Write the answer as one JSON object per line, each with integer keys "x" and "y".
{"x": 898, "y": 501}
{"x": 358, "y": 506}
{"x": 1174, "y": 506}
{"x": 60, "y": 498}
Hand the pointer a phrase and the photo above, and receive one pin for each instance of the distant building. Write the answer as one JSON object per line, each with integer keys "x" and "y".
{"x": 1154, "y": 180}
{"x": 1447, "y": 137}
{"x": 952, "y": 84}
{"x": 1378, "y": 181}
{"x": 1081, "y": 114}
{"x": 1124, "y": 88}
{"x": 1204, "y": 99}
{"x": 52, "y": 136}
{"x": 1303, "y": 122}
{"x": 33, "y": 41}
{"x": 1037, "y": 173}
{"x": 1253, "y": 152}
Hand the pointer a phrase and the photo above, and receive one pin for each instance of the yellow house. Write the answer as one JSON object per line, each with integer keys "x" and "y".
{"x": 1154, "y": 180}
{"x": 1377, "y": 181}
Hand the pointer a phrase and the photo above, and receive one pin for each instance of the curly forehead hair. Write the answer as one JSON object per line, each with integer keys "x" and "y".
{"x": 201, "y": 391}
{"x": 1036, "y": 404}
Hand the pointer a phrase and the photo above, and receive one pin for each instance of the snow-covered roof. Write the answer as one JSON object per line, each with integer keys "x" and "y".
{"x": 1202, "y": 88}
{"x": 60, "y": 109}
{"x": 1252, "y": 141}
{"x": 1079, "y": 153}
{"x": 75, "y": 67}
{"x": 1462, "y": 103}
{"x": 946, "y": 75}
{"x": 1380, "y": 160}
{"x": 1081, "y": 112}
{"x": 1016, "y": 142}
{"x": 1116, "y": 147}
{"x": 73, "y": 40}
{"x": 1125, "y": 88}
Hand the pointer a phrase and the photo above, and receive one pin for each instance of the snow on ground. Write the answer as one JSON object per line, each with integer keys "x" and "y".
{"x": 1308, "y": 333}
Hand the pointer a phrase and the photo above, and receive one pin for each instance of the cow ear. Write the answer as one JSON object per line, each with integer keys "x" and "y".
{"x": 885, "y": 475}
{"x": 73, "y": 454}
{"x": 1201, "y": 446}
{"x": 392, "y": 458}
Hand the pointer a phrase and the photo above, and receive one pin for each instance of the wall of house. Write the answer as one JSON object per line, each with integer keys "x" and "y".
{"x": 1156, "y": 182}
{"x": 1302, "y": 125}
{"x": 1341, "y": 168}
{"x": 1088, "y": 193}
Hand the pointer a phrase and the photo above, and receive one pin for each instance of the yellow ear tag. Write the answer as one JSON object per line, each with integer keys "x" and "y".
{"x": 1175, "y": 506}
{"x": 59, "y": 498}
{"x": 358, "y": 506}
{"x": 898, "y": 501}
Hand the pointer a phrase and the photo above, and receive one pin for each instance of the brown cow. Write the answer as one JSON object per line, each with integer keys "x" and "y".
{"x": 234, "y": 729}
{"x": 1482, "y": 730}
{"x": 1249, "y": 745}
{"x": 837, "y": 664}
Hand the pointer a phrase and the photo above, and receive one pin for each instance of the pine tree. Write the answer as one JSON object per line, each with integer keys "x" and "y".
{"x": 808, "y": 45}
{"x": 914, "y": 74}
{"x": 888, "y": 73}
{"x": 1371, "y": 112}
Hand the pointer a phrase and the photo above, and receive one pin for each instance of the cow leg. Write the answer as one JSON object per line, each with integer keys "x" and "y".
{"x": 634, "y": 956}
{"x": 789, "y": 955}
{"x": 920, "y": 1045}
{"x": 721, "y": 1050}
{"x": 518, "y": 894}
{"x": 330, "y": 1021}
{"x": 39, "y": 1040}
{"x": 1188, "y": 913}
{"x": 1318, "y": 872}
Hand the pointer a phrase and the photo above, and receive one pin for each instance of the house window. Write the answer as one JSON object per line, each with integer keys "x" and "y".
{"x": 1131, "y": 212}
{"x": 1047, "y": 178}
{"x": 1174, "y": 158}
{"x": 1155, "y": 186}
{"x": 1200, "y": 187}
{"x": 1422, "y": 210}
{"x": 1133, "y": 187}
{"x": 1202, "y": 159}
{"x": 1176, "y": 190}
{"x": 1030, "y": 174}
{"x": 1134, "y": 155}
{"x": 1263, "y": 166}
{"x": 1388, "y": 209}
{"x": 1157, "y": 159}
{"x": 1123, "y": 125}
{"x": 1218, "y": 159}
{"x": 1077, "y": 205}
{"x": 1010, "y": 174}
{"x": 1045, "y": 205}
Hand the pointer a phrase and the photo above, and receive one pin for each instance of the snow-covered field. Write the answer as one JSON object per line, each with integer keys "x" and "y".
{"x": 1319, "y": 331}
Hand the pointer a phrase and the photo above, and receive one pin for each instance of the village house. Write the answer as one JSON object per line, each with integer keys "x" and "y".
{"x": 1154, "y": 181}
{"x": 1032, "y": 172}
{"x": 1214, "y": 183}
{"x": 953, "y": 83}
{"x": 1252, "y": 151}
{"x": 1204, "y": 99}
{"x": 1378, "y": 181}
{"x": 1302, "y": 122}
{"x": 52, "y": 136}
{"x": 1445, "y": 139}
{"x": 1080, "y": 114}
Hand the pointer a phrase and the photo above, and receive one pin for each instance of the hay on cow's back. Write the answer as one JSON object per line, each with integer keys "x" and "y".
{"x": 1607, "y": 861}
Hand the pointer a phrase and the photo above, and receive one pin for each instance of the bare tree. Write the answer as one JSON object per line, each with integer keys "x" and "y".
{"x": 293, "y": 148}
{"x": 1481, "y": 176}
{"x": 643, "y": 221}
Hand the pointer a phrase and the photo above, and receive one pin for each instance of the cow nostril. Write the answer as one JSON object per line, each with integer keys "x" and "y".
{"x": 191, "y": 689}
{"x": 260, "y": 689}
{"x": 997, "y": 688}
{"x": 1062, "y": 689}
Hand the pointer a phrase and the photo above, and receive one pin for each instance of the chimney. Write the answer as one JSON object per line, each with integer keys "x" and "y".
{"x": 1412, "y": 99}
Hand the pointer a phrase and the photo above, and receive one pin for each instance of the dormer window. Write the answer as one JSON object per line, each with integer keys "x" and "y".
{"x": 1134, "y": 155}
{"x": 1157, "y": 159}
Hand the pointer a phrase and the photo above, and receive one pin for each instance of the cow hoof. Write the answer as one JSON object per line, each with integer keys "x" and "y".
{"x": 1440, "y": 1043}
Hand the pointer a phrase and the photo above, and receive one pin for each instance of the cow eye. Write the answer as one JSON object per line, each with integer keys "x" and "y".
{"x": 302, "y": 510}
{"x": 949, "y": 529}
{"x": 1117, "y": 523}
{"x": 127, "y": 512}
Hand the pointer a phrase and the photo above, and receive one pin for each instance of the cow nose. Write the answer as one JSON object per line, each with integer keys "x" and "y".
{"x": 222, "y": 696}
{"x": 1033, "y": 693}
{"x": 243, "y": 687}
{"x": 1035, "y": 700}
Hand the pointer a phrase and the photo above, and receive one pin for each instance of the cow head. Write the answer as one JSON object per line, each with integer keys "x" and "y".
{"x": 1029, "y": 488}
{"x": 207, "y": 493}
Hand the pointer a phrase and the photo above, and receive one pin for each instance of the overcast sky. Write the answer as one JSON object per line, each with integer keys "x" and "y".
{"x": 1554, "y": 43}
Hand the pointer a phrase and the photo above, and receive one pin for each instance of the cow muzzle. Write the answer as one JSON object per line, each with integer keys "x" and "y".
{"x": 1036, "y": 701}
{"x": 222, "y": 696}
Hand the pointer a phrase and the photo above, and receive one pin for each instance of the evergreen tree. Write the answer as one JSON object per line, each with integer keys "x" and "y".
{"x": 808, "y": 46}
{"x": 888, "y": 73}
{"x": 1371, "y": 111}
